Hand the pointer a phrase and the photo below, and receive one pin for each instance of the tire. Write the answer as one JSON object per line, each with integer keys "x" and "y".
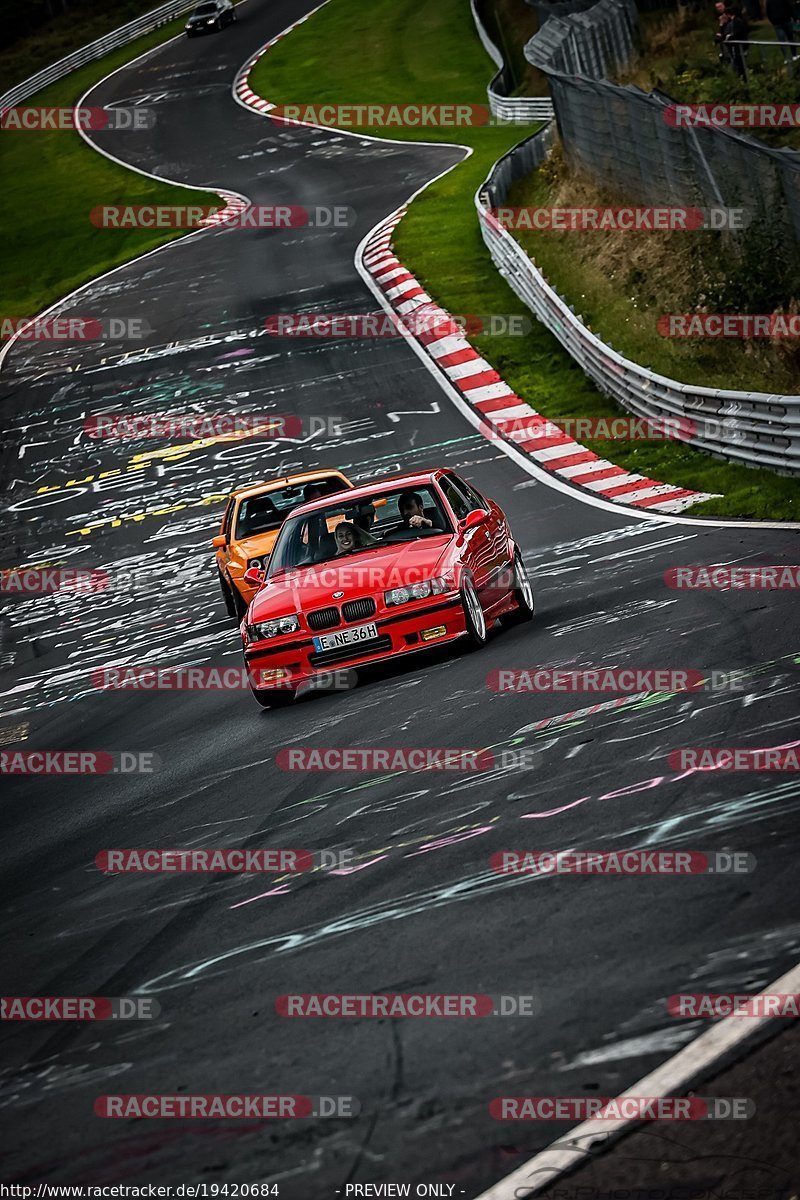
{"x": 227, "y": 595}
{"x": 473, "y": 616}
{"x": 234, "y": 604}
{"x": 523, "y": 595}
{"x": 272, "y": 699}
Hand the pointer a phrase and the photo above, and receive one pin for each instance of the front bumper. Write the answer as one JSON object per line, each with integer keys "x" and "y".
{"x": 398, "y": 634}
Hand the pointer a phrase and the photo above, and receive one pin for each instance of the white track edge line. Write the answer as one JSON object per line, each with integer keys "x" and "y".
{"x": 520, "y": 457}
{"x": 573, "y": 1150}
{"x": 139, "y": 171}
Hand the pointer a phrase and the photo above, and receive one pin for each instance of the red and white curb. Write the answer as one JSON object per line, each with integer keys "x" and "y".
{"x": 234, "y": 205}
{"x": 241, "y": 88}
{"x": 503, "y": 414}
{"x": 502, "y": 411}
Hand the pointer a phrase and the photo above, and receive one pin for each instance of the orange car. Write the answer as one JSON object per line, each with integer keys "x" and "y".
{"x": 250, "y": 525}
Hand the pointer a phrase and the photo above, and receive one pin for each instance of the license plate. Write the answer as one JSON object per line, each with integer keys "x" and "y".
{"x": 346, "y": 637}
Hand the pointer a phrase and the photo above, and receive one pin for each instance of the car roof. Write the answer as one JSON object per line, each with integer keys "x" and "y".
{"x": 272, "y": 485}
{"x": 365, "y": 490}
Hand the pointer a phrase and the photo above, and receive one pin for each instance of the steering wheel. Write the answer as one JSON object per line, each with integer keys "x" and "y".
{"x": 401, "y": 534}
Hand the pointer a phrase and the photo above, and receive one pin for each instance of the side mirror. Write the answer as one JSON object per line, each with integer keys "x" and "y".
{"x": 219, "y": 541}
{"x": 254, "y": 577}
{"x": 473, "y": 519}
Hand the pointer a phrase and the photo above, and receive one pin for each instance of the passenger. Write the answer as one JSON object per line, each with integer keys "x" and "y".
{"x": 413, "y": 513}
{"x": 349, "y": 537}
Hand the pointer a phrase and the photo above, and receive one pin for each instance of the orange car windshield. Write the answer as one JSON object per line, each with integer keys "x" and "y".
{"x": 268, "y": 510}
{"x": 343, "y": 529}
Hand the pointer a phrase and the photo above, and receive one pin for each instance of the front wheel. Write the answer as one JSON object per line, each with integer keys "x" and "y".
{"x": 522, "y": 592}
{"x": 473, "y": 616}
{"x": 229, "y": 595}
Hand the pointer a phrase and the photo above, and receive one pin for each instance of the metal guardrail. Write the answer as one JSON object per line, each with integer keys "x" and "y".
{"x": 752, "y": 428}
{"x": 514, "y": 109}
{"x": 110, "y": 41}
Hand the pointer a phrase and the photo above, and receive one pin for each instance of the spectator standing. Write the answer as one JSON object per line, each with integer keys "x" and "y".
{"x": 736, "y": 32}
{"x": 719, "y": 37}
{"x": 780, "y": 15}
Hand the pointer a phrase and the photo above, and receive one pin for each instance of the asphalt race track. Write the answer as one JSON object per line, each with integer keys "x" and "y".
{"x": 423, "y": 911}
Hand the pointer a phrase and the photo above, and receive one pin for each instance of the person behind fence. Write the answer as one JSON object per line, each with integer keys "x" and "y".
{"x": 735, "y": 34}
{"x": 723, "y": 18}
{"x": 780, "y": 15}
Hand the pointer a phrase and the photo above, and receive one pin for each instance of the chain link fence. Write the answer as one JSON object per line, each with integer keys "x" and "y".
{"x": 631, "y": 140}
{"x": 754, "y": 428}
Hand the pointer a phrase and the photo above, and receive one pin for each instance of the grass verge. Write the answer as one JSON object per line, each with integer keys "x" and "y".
{"x": 52, "y": 181}
{"x": 622, "y": 282}
{"x": 423, "y": 53}
{"x": 678, "y": 56}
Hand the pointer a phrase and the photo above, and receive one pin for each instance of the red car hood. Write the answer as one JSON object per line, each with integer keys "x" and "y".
{"x": 368, "y": 573}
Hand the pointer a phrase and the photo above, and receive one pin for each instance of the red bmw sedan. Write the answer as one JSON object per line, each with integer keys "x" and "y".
{"x": 380, "y": 571}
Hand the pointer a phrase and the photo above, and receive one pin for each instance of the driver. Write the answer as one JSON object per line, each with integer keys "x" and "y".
{"x": 413, "y": 513}
{"x": 313, "y": 491}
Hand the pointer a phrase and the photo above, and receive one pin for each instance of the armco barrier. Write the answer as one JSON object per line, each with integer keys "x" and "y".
{"x": 753, "y": 428}
{"x": 522, "y": 109}
{"x": 110, "y": 41}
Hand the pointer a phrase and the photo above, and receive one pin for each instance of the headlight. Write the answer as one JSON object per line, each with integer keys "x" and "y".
{"x": 417, "y": 591}
{"x": 271, "y": 629}
{"x": 258, "y": 563}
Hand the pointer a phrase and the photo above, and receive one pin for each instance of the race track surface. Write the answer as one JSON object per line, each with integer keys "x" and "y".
{"x": 423, "y": 911}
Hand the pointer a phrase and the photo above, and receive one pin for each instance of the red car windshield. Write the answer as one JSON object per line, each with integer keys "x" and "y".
{"x": 342, "y": 529}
